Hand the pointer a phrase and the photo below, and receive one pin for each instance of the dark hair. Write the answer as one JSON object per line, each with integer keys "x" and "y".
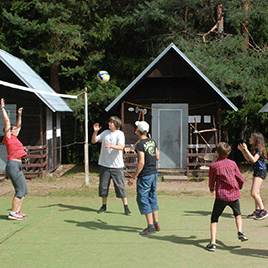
{"x": 116, "y": 120}
{"x": 259, "y": 144}
{"x": 223, "y": 149}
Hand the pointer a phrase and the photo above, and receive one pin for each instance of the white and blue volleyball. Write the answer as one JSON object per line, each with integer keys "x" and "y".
{"x": 103, "y": 77}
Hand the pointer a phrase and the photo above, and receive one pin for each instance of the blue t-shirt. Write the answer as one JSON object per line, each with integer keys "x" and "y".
{"x": 260, "y": 164}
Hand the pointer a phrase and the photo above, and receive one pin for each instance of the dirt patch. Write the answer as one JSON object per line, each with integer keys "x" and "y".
{"x": 71, "y": 177}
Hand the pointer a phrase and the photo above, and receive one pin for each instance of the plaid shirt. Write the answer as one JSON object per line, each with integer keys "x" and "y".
{"x": 226, "y": 179}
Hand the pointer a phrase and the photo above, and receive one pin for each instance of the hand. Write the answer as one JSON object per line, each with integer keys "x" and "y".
{"x": 213, "y": 192}
{"x": 108, "y": 144}
{"x": 2, "y": 103}
{"x": 20, "y": 110}
{"x": 130, "y": 181}
{"x": 96, "y": 127}
{"x": 242, "y": 146}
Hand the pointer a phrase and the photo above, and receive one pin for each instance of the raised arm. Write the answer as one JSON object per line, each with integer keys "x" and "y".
{"x": 96, "y": 128}
{"x": 6, "y": 119}
{"x": 19, "y": 119}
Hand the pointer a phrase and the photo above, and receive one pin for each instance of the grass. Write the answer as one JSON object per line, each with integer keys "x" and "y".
{"x": 66, "y": 231}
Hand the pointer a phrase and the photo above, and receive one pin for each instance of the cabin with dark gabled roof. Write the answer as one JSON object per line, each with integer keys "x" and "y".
{"x": 41, "y": 118}
{"x": 183, "y": 108}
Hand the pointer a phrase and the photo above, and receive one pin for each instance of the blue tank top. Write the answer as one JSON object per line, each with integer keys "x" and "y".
{"x": 260, "y": 164}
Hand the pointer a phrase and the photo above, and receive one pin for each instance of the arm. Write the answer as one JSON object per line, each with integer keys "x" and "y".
{"x": 247, "y": 154}
{"x": 96, "y": 129}
{"x": 157, "y": 154}
{"x": 212, "y": 180}
{"x": 114, "y": 146}
{"x": 6, "y": 119}
{"x": 19, "y": 119}
{"x": 239, "y": 177}
{"x": 141, "y": 162}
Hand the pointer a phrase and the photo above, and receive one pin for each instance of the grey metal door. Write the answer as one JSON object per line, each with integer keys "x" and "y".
{"x": 170, "y": 131}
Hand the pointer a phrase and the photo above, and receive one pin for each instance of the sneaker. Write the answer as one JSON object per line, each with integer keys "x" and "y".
{"x": 253, "y": 215}
{"x": 157, "y": 227}
{"x": 15, "y": 216}
{"x": 127, "y": 211}
{"x": 22, "y": 214}
{"x": 148, "y": 231}
{"x": 242, "y": 237}
{"x": 102, "y": 209}
{"x": 261, "y": 215}
{"x": 211, "y": 247}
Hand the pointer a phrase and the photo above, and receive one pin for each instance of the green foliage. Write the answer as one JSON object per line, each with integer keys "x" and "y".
{"x": 123, "y": 37}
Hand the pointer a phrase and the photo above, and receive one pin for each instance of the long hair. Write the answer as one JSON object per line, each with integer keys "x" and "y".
{"x": 259, "y": 144}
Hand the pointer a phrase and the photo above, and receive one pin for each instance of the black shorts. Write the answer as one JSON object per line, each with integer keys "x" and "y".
{"x": 220, "y": 205}
{"x": 262, "y": 173}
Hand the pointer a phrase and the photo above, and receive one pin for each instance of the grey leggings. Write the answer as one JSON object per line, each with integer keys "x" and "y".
{"x": 15, "y": 174}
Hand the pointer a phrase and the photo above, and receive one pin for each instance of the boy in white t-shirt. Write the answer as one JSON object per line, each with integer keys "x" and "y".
{"x": 111, "y": 162}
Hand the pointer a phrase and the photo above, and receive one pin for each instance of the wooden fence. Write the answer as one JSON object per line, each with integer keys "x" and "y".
{"x": 35, "y": 164}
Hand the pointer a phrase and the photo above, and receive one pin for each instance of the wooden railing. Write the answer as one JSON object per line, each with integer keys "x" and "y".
{"x": 35, "y": 163}
{"x": 199, "y": 158}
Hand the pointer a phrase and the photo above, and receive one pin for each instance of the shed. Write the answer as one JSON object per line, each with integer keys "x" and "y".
{"x": 41, "y": 120}
{"x": 264, "y": 109}
{"x": 182, "y": 106}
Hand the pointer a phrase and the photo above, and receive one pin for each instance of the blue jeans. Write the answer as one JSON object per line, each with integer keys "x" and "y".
{"x": 146, "y": 194}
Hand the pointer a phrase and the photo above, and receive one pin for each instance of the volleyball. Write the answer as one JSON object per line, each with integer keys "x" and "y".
{"x": 103, "y": 77}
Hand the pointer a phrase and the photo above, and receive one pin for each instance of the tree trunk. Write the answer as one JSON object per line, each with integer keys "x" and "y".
{"x": 220, "y": 20}
{"x": 244, "y": 130}
{"x": 54, "y": 76}
{"x": 185, "y": 19}
{"x": 244, "y": 24}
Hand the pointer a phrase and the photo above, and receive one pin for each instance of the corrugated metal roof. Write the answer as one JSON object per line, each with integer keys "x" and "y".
{"x": 31, "y": 79}
{"x": 149, "y": 67}
{"x": 264, "y": 109}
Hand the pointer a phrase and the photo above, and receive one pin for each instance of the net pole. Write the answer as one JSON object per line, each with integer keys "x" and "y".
{"x": 86, "y": 141}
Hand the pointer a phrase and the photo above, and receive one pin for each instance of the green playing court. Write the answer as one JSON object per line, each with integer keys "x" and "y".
{"x": 64, "y": 231}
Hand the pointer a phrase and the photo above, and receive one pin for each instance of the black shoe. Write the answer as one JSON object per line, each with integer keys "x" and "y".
{"x": 211, "y": 247}
{"x": 148, "y": 231}
{"x": 242, "y": 237}
{"x": 157, "y": 227}
{"x": 102, "y": 209}
{"x": 127, "y": 211}
{"x": 253, "y": 215}
{"x": 261, "y": 215}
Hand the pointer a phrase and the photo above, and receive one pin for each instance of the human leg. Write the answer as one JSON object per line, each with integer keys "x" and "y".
{"x": 255, "y": 192}
{"x": 14, "y": 172}
{"x": 218, "y": 208}
{"x": 104, "y": 184}
{"x": 213, "y": 232}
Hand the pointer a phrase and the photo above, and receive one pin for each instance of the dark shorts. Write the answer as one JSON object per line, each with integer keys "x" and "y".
{"x": 262, "y": 173}
{"x": 118, "y": 177}
{"x": 15, "y": 174}
{"x": 220, "y": 205}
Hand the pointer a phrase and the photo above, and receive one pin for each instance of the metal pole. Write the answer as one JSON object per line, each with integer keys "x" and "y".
{"x": 86, "y": 141}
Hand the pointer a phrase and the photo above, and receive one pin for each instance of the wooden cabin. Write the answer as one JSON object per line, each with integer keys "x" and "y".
{"x": 41, "y": 118}
{"x": 264, "y": 109}
{"x": 183, "y": 108}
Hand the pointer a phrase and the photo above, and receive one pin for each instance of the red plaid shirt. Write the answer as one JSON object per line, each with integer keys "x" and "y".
{"x": 226, "y": 179}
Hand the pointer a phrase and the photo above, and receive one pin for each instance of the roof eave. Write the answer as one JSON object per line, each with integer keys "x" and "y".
{"x": 146, "y": 70}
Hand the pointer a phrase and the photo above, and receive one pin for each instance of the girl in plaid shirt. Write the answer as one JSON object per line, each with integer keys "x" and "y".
{"x": 226, "y": 181}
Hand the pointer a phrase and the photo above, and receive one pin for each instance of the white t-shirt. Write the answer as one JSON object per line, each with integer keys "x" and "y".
{"x": 110, "y": 157}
